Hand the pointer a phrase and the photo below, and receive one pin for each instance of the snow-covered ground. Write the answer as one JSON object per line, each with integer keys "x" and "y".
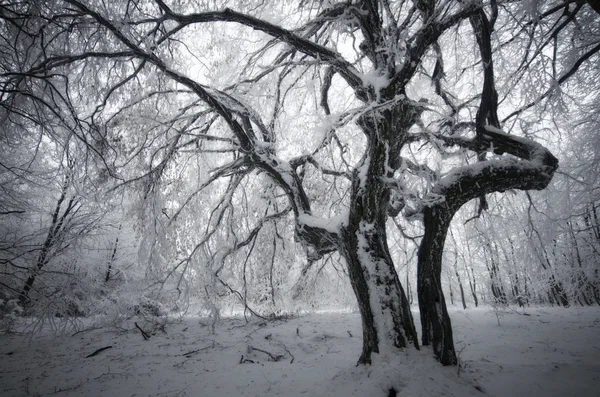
{"x": 548, "y": 352}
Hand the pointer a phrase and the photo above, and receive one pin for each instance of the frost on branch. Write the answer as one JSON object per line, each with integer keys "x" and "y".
{"x": 528, "y": 165}
{"x": 319, "y": 236}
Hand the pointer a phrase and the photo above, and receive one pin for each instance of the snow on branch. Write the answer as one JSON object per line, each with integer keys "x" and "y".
{"x": 343, "y": 67}
{"x": 530, "y": 166}
{"x": 320, "y": 236}
{"x": 425, "y": 37}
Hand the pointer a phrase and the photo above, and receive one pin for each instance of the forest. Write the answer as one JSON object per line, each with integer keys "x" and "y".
{"x": 396, "y": 165}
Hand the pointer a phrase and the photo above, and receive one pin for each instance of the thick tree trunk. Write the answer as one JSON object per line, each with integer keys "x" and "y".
{"x": 435, "y": 321}
{"x": 386, "y": 318}
{"x": 385, "y": 311}
{"x": 533, "y": 172}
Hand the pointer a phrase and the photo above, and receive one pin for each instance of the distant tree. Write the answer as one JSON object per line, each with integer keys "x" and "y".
{"x": 339, "y": 115}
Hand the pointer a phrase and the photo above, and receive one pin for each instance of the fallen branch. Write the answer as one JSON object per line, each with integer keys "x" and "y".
{"x": 144, "y": 334}
{"x": 246, "y": 360}
{"x": 85, "y": 330}
{"x": 190, "y": 353}
{"x": 271, "y": 356}
{"x": 56, "y": 390}
{"x": 98, "y": 351}
{"x": 290, "y": 353}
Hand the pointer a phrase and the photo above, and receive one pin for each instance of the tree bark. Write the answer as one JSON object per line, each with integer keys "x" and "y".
{"x": 473, "y": 286}
{"x": 385, "y": 310}
{"x": 435, "y": 321}
{"x": 460, "y": 285}
{"x": 534, "y": 171}
{"x": 112, "y": 258}
{"x": 54, "y": 234}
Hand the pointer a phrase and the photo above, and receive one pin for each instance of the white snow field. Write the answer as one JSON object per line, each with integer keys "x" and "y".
{"x": 544, "y": 352}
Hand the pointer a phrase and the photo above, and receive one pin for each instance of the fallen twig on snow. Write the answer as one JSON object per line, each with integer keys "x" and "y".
{"x": 144, "y": 334}
{"x": 85, "y": 330}
{"x": 245, "y": 360}
{"x": 98, "y": 351}
{"x": 290, "y": 353}
{"x": 190, "y": 353}
{"x": 271, "y": 356}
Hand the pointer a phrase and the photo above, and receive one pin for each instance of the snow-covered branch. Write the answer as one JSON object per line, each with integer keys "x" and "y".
{"x": 532, "y": 167}
{"x": 343, "y": 67}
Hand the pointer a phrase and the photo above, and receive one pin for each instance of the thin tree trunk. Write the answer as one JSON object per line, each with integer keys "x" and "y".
{"x": 526, "y": 290}
{"x": 56, "y": 228}
{"x": 113, "y": 256}
{"x": 408, "y": 289}
{"x": 460, "y": 286}
{"x": 495, "y": 281}
{"x": 516, "y": 290}
{"x": 271, "y": 268}
{"x": 556, "y": 293}
{"x": 473, "y": 287}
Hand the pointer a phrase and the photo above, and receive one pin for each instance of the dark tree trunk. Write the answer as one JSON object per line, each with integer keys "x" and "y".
{"x": 558, "y": 292}
{"x": 457, "y": 189}
{"x": 52, "y": 238}
{"x": 473, "y": 287}
{"x": 497, "y": 287}
{"x": 435, "y": 321}
{"x": 380, "y": 296}
{"x": 526, "y": 290}
{"x": 514, "y": 275}
{"x": 385, "y": 311}
{"x": 408, "y": 290}
{"x": 112, "y": 258}
{"x": 516, "y": 292}
{"x": 596, "y": 287}
{"x": 460, "y": 286}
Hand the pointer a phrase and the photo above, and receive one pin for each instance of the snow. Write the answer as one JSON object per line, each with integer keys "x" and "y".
{"x": 363, "y": 172}
{"x": 375, "y": 78}
{"x": 538, "y": 153}
{"x": 380, "y": 298}
{"x": 331, "y": 225}
{"x": 549, "y": 352}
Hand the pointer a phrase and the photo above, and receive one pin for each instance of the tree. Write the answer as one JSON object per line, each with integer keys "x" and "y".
{"x": 341, "y": 115}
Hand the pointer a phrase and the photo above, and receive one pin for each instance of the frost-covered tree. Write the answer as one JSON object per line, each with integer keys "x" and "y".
{"x": 337, "y": 115}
